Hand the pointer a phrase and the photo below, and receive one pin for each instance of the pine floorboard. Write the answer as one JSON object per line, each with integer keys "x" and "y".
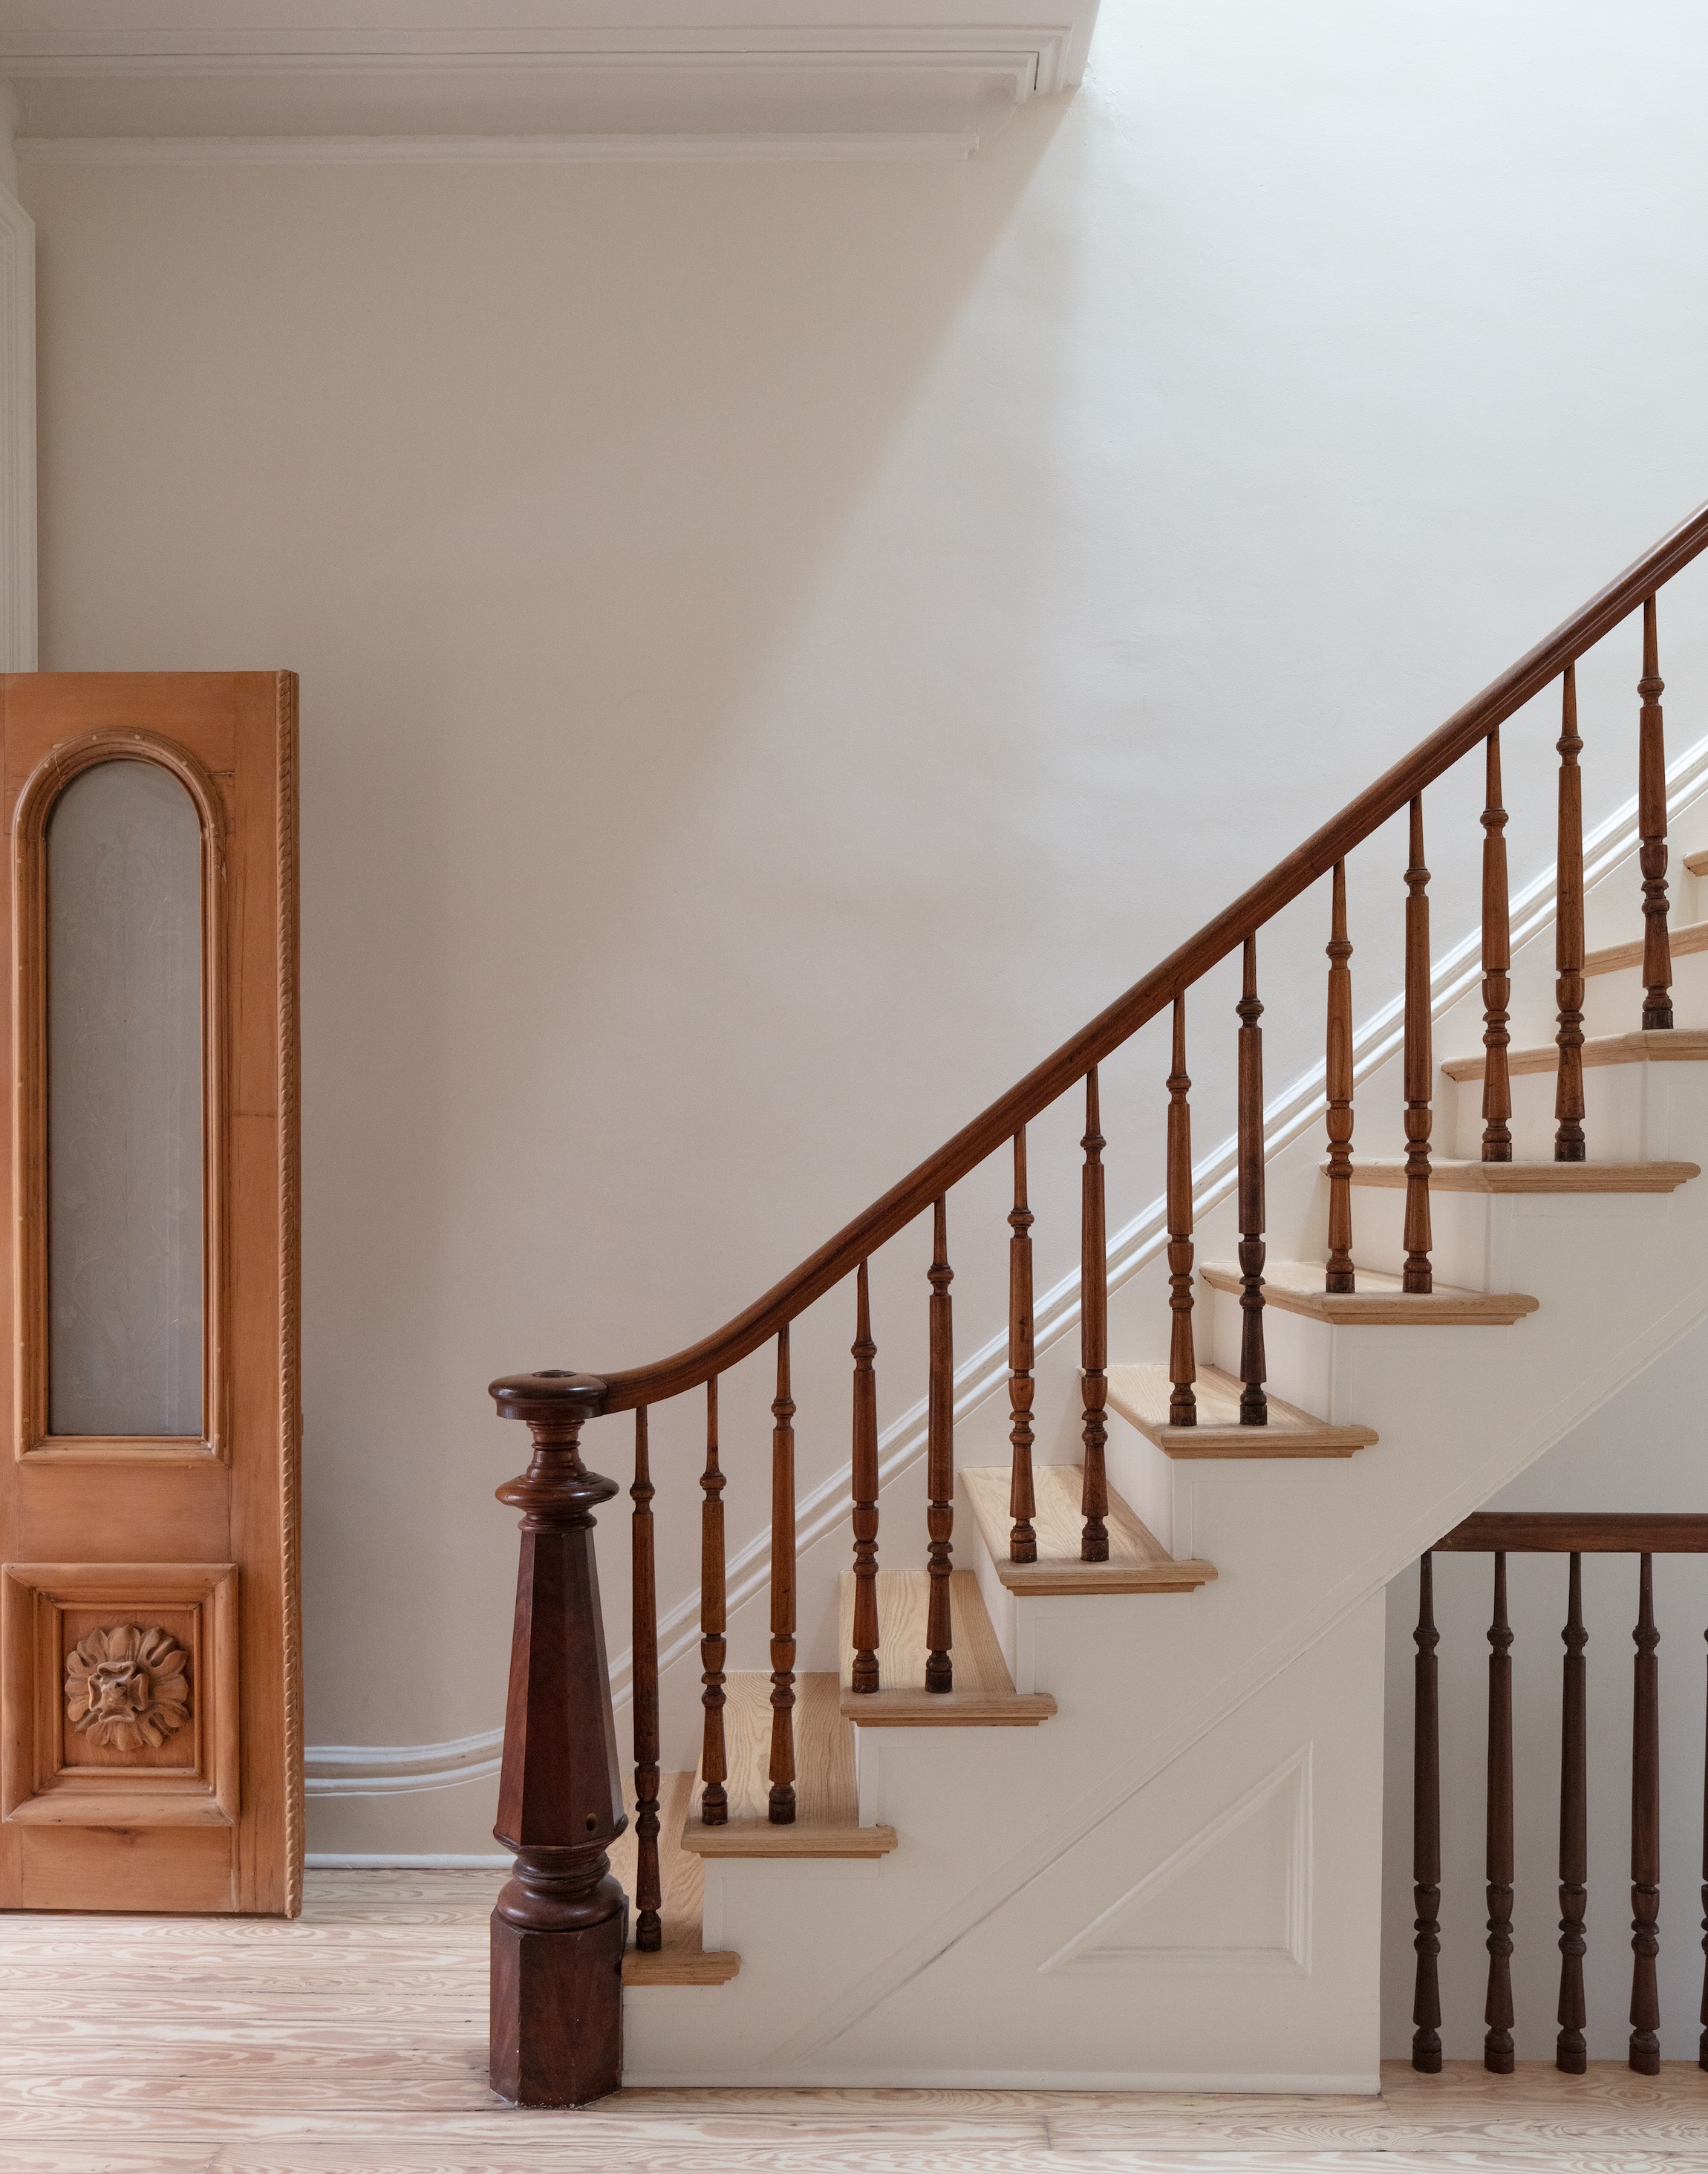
{"x": 354, "y": 2042}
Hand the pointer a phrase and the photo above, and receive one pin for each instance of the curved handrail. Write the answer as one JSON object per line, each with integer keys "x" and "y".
{"x": 840, "y": 1255}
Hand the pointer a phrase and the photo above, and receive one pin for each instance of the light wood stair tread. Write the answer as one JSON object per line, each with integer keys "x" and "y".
{"x": 1141, "y": 1394}
{"x": 984, "y": 1695}
{"x": 1379, "y": 1301}
{"x": 1676, "y": 1044}
{"x": 1138, "y": 1561}
{"x": 1453, "y": 1175}
{"x": 1683, "y": 937}
{"x": 1696, "y": 864}
{"x": 827, "y": 1799}
{"x": 681, "y": 1960}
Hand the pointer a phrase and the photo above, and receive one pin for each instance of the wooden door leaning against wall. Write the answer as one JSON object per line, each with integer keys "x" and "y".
{"x": 150, "y": 1740}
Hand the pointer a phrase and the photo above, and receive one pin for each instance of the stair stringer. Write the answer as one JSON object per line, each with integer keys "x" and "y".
{"x": 1143, "y": 1682}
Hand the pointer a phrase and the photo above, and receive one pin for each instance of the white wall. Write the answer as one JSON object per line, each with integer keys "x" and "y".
{"x": 781, "y": 646}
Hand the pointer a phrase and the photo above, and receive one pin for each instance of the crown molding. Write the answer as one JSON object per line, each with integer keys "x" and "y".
{"x": 760, "y": 74}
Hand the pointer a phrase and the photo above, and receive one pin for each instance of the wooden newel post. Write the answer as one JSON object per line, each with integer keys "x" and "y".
{"x": 562, "y": 1921}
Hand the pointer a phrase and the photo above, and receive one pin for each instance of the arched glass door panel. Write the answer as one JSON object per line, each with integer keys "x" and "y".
{"x": 126, "y": 1120}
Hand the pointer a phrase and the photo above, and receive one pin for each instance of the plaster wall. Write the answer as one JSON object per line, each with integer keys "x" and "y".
{"x": 782, "y": 646}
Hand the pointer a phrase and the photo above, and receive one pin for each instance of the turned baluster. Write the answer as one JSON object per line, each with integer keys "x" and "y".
{"x": 1570, "y": 2052}
{"x": 714, "y": 1647}
{"x": 1340, "y": 1275}
{"x": 1651, "y": 824}
{"x": 782, "y": 1759}
{"x": 1254, "y": 1405}
{"x": 1022, "y": 1502}
{"x": 561, "y": 1922}
{"x": 1497, "y": 2013}
{"x": 865, "y": 1461}
{"x": 1568, "y": 935}
{"x": 939, "y": 1463}
{"x": 1419, "y": 1063}
{"x": 1645, "y": 1832}
{"x": 1497, "y": 968}
{"x": 649, "y": 1890}
{"x": 1702, "y": 2013}
{"x": 1426, "y": 1828}
{"x": 1182, "y": 1365}
{"x": 1094, "y": 1336}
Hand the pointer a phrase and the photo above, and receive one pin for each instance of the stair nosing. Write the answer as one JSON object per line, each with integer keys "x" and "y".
{"x": 1296, "y": 1434}
{"x": 1677, "y": 1045}
{"x": 1386, "y": 1308}
{"x": 1457, "y": 1174}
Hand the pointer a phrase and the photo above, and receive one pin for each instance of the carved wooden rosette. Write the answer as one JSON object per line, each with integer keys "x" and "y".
{"x": 561, "y": 1922}
{"x": 126, "y": 1686}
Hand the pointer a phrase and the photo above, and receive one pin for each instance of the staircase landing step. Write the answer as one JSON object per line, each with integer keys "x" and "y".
{"x": 827, "y": 1799}
{"x": 1138, "y": 1561}
{"x": 1455, "y": 1177}
{"x": 984, "y": 1696}
{"x": 1674, "y": 1045}
{"x": 1683, "y": 938}
{"x": 1141, "y": 1394}
{"x": 1379, "y": 1301}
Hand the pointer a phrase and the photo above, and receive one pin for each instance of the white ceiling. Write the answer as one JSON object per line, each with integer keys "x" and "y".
{"x": 105, "y": 77}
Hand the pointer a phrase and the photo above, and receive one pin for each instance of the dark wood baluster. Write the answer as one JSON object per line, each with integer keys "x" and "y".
{"x": 782, "y": 1763}
{"x": 649, "y": 1889}
{"x": 1022, "y": 1502}
{"x": 1497, "y": 2014}
{"x": 714, "y": 1647}
{"x": 1426, "y": 1828}
{"x": 1702, "y": 2014}
{"x": 1182, "y": 1363}
{"x": 1094, "y": 1336}
{"x": 1419, "y": 1063}
{"x": 1651, "y": 824}
{"x": 1340, "y": 1275}
{"x": 1254, "y": 1405}
{"x": 865, "y": 1675}
{"x": 1497, "y": 969}
{"x": 1568, "y": 935}
{"x": 561, "y": 1922}
{"x": 1645, "y": 1832}
{"x": 1570, "y": 2053}
{"x": 939, "y": 1463}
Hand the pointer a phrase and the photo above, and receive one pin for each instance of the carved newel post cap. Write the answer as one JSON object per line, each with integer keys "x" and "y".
{"x": 555, "y": 1394}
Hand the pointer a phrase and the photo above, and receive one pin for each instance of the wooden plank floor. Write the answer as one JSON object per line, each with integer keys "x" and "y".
{"x": 354, "y": 2042}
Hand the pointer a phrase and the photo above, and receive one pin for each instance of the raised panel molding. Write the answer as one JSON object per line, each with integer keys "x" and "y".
{"x": 1236, "y": 1897}
{"x": 701, "y": 78}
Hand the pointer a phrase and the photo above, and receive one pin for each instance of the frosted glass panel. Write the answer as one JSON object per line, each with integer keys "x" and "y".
{"x": 124, "y": 1104}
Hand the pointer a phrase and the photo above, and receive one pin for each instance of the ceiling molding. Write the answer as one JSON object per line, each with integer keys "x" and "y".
{"x": 905, "y": 78}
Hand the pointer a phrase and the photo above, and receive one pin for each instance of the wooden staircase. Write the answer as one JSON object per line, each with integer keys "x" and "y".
{"x": 1170, "y": 1878}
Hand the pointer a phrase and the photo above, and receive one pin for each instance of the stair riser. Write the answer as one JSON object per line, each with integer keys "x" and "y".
{"x": 1613, "y": 1003}
{"x": 1632, "y": 1112}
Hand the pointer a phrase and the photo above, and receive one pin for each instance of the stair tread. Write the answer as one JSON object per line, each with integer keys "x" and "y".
{"x": 682, "y": 1959}
{"x": 1696, "y": 864}
{"x": 1379, "y": 1301}
{"x": 984, "y": 1696}
{"x": 1141, "y": 1395}
{"x": 1138, "y": 1561}
{"x": 1683, "y": 937}
{"x": 1451, "y": 1175}
{"x": 827, "y": 1798}
{"x": 1675, "y": 1045}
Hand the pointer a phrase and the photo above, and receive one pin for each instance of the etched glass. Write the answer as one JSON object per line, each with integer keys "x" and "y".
{"x": 124, "y": 1104}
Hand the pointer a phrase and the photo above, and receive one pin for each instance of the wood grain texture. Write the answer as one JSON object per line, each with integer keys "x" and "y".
{"x": 1141, "y": 1395}
{"x": 1651, "y": 825}
{"x": 1675, "y": 1045}
{"x": 1690, "y": 936}
{"x": 827, "y": 1800}
{"x": 984, "y": 1696}
{"x": 1296, "y": 1287}
{"x": 1568, "y": 934}
{"x": 681, "y": 1960}
{"x": 1572, "y": 1532}
{"x": 1497, "y": 966}
{"x": 1138, "y": 1561}
{"x": 1696, "y": 864}
{"x": 1536, "y": 1176}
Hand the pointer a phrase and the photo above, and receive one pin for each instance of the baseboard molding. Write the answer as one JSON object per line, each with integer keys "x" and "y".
{"x": 885, "y": 148}
{"x": 330, "y": 1860}
{"x": 1355, "y": 2083}
{"x": 360, "y": 1771}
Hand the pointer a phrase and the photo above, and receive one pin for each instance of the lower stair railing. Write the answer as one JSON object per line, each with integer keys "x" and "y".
{"x": 1546, "y": 1532}
{"x": 559, "y": 1927}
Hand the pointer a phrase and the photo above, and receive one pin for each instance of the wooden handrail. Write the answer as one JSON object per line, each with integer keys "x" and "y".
{"x": 915, "y": 1192}
{"x": 1578, "y": 1532}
